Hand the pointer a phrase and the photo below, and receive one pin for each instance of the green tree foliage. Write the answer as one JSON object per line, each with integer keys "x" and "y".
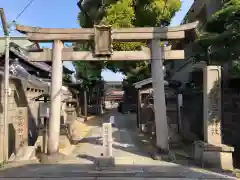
{"x": 222, "y": 32}
{"x": 88, "y": 71}
{"x": 142, "y": 13}
{"x": 131, "y": 13}
{"x": 152, "y": 12}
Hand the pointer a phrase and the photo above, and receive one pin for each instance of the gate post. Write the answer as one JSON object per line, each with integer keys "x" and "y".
{"x": 212, "y": 152}
{"x": 159, "y": 95}
{"x": 55, "y": 107}
{"x": 212, "y": 112}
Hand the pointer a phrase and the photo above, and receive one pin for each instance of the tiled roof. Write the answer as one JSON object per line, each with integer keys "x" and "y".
{"x": 19, "y": 46}
{"x": 21, "y": 52}
{"x": 20, "y": 41}
{"x": 30, "y": 80}
{"x": 145, "y": 82}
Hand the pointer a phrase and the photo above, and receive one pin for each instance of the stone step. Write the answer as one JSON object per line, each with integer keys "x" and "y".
{"x": 25, "y": 153}
{"x": 108, "y": 178}
{"x": 16, "y": 164}
{"x": 164, "y": 170}
{"x": 114, "y": 174}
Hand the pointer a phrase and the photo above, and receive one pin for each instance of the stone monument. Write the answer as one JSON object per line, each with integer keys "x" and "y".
{"x": 212, "y": 152}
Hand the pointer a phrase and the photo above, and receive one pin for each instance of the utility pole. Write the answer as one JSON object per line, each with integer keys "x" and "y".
{"x": 6, "y": 84}
{"x": 85, "y": 96}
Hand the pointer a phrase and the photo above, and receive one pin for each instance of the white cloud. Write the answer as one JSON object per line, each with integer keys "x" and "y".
{"x": 108, "y": 75}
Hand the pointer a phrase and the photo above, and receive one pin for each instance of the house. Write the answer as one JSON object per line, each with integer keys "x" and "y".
{"x": 21, "y": 65}
{"x": 145, "y": 109}
{"x": 113, "y": 91}
{"x": 22, "y": 112}
{"x": 201, "y": 11}
{"x": 189, "y": 71}
{"x": 18, "y": 50}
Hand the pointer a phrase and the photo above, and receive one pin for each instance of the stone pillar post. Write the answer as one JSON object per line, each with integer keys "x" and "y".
{"x": 55, "y": 107}
{"x": 212, "y": 152}
{"x": 212, "y": 104}
{"x": 107, "y": 138}
{"x": 159, "y": 95}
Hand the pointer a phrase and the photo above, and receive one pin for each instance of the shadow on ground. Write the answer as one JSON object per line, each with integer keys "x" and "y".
{"x": 125, "y": 138}
{"x": 67, "y": 171}
{"x": 122, "y": 138}
{"x": 98, "y": 120}
{"x": 122, "y": 145}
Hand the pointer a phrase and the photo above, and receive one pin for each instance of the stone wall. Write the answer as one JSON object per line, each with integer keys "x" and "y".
{"x": 192, "y": 118}
{"x": 231, "y": 116}
{"x": 22, "y": 113}
{"x": 231, "y": 122}
{"x": 33, "y": 113}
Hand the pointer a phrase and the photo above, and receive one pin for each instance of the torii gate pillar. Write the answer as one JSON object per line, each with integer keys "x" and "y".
{"x": 159, "y": 96}
{"x": 55, "y": 108}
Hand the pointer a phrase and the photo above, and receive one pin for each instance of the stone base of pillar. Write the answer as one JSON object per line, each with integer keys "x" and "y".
{"x": 105, "y": 162}
{"x": 215, "y": 156}
{"x": 163, "y": 155}
{"x": 175, "y": 138}
{"x": 51, "y": 158}
{"x": 162, "y": 151}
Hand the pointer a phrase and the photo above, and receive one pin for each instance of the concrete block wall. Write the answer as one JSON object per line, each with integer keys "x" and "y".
{"x": 231, "y": 117}
{"x": 192, "y": 118}
{"x": 231, "y": 122}
{"x": 22, "y": 113}
{"x": 33, "y": 113}
{"x": 1, "y": 121}
{"x": 16, "y": 123}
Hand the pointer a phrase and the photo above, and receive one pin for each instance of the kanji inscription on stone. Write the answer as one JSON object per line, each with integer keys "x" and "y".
{"x": 213, "y": 104}
{"x": 21, "y": 126}
{"x": 212, "y": 101}
{"x": 214, "y": 110}
{"x": 102, "y": 40}
{"x": 107, "y": 139}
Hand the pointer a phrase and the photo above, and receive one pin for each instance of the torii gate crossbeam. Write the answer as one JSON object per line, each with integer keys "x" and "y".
{"x": 102, "y": 38}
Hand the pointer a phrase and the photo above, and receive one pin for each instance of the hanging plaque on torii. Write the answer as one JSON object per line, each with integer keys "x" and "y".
{"x": 102, "y": 41}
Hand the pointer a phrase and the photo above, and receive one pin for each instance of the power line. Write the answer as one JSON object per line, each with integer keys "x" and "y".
{"x": 14, "y": 21}
{"x": 25, "y": 8}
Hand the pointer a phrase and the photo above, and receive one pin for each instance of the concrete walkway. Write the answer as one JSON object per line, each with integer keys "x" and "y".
{"x": 131, "y": 162}
{"x": 124, "y": 148}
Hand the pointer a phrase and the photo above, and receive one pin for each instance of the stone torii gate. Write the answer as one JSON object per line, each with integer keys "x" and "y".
{"x": 102, "y": 37}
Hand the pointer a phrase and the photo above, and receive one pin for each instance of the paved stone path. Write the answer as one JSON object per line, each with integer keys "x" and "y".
{"x": 124, "y": 148}
{"x": 130, "y": 161}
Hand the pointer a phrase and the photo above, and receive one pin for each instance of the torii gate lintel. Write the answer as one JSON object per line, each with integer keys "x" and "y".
{"x": 103, "y": 38}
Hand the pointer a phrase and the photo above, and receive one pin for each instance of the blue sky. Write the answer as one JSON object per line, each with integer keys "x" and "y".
{"x": 62, "y": 14}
